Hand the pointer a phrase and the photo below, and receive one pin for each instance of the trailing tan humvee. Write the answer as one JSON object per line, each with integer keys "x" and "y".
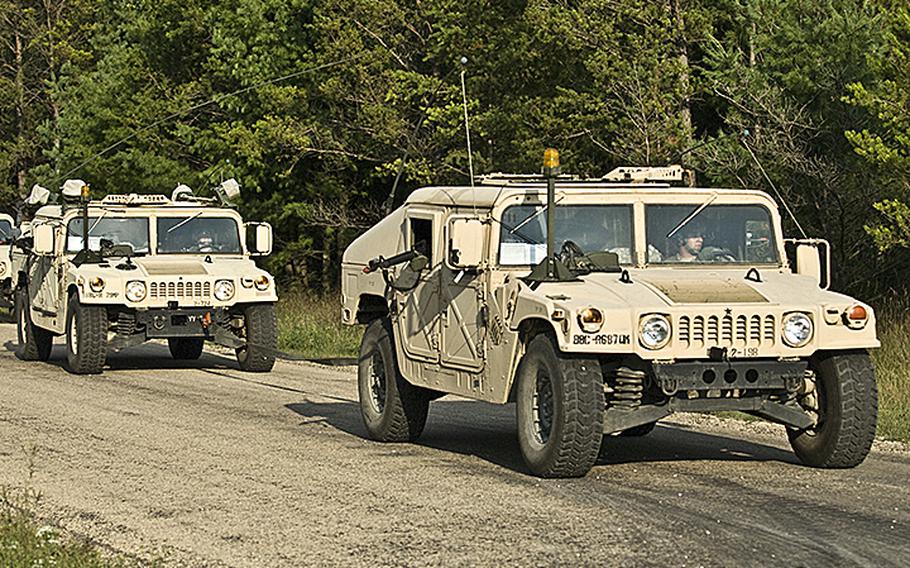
{"x": 656, "y": 299}
{"x": 113, "y": 273}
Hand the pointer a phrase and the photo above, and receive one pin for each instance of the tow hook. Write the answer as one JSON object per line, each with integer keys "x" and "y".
{"x": 207, "y": 320}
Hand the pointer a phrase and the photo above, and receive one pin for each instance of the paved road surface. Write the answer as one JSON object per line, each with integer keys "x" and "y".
{"x": 209, "y": 466}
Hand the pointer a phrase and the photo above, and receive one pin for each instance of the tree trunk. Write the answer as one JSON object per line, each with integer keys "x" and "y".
{"x": 682, "y": 54}
{"x": 51, "y": 94}
{"x": 21, "y": 126}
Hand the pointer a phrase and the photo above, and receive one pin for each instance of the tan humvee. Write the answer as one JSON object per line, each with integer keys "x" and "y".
{"x": 7, "y": 235}
{"x": 669, "y": 299}
{"x": 151, "y": 267}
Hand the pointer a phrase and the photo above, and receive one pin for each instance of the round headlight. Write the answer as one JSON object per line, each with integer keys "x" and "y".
{"x": 2, "y": 267}
{"x": 224, "y": 290}
{"x": 96, "y": 284}
{"x": 262, "y": 283}
{"x": 797, "y": 330}
{"x": 654, "y": 331}
{"x": 590, "y": 319}
{"x": 135, "y": 291}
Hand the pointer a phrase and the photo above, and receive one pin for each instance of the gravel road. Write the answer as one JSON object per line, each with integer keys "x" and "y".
{"x": 204, "y": 465}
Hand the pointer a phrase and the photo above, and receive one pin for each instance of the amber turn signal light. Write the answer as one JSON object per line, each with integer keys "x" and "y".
{"x": 857, "y": 313}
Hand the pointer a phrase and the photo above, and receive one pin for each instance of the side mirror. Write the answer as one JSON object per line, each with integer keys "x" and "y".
{"x": 44, "y": 239}
{"x": 813, "y": 258}
{"x": 466, "y": 243}
{"x": 259, "y": 238}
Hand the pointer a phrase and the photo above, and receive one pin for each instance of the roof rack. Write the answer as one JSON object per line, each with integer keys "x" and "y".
{"x": 646, "y": 174}
{"x": 500, "y": 178}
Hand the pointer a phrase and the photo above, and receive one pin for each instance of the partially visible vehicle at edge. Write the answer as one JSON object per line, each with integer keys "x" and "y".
{"x": 113, "y": 273}
{"x": 7, "y": 236}
{"x": 652, "y": 298}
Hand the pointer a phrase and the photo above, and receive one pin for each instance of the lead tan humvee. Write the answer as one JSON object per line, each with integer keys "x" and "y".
{"x": 113, "y": 273}
{"x": 661, "y": 299}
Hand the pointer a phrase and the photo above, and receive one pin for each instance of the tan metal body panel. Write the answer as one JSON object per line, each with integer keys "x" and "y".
{"x": 708, "y": 306}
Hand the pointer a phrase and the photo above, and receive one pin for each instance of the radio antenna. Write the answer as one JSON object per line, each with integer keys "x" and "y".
{"x": 467, "y": 130}
{"x": 771, "y": 183}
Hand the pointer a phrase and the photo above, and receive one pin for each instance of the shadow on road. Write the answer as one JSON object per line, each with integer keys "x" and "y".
{"x": 488, "y": 432}
{"x": 146, "y": 357}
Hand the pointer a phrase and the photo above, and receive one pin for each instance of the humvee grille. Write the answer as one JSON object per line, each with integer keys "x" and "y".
{"x": 181, "y": 289}
{"x": 726, "y": 330}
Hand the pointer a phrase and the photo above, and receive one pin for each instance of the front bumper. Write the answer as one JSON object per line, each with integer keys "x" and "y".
{"x": 729, "y": 375}
{"x": 181, "y": 322}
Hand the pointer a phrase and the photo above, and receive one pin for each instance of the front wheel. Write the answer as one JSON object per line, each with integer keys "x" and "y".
{"x": 86, "y": 337}
{"x": 844, "y": 397}
{"x": 260, "y": 330}
{"x": 34, "y": 343}
{"x": 393, "y": 409}
{"x": 560, "y": 410}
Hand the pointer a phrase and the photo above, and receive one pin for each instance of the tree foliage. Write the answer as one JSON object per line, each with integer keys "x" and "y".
{"x": 330, "y": 112}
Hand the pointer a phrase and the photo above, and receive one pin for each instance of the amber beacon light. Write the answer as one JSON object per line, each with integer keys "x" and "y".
{"x": 551, "y": 158}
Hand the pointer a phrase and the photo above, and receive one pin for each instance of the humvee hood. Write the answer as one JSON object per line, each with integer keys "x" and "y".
{"x": 226, "y": 267}
{"x": 653, "y": 288}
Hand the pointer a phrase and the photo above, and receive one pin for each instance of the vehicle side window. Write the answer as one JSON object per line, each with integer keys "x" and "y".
{"x": 422, "y": 237}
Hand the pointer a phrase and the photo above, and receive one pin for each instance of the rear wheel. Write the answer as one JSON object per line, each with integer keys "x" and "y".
{"x": 86, "y": 337}
{"x": 260, "y": 331}
{"x": 844, "y": 396}
{"x": 560, "y": 410}
{"x": 186, "y": 348}
{"x": 393, "y": 409}
{"x": 34, "y": 343}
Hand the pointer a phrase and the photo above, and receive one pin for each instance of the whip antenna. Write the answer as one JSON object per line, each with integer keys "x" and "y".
{"x": 771, "y": 183}
{"x": 467, "y": 130}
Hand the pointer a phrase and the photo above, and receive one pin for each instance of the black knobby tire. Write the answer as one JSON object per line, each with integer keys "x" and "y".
{"x": 86, "y": 337}
{"x": 185, "y": 348}
{"x": 639, "y": 431}
{"x": 393, "y": 409}
{"x": 848, "y": 411}
{"x": 562, "y": 437}
{"x": 34, "y": 343}
{"x": 261, "y": 335}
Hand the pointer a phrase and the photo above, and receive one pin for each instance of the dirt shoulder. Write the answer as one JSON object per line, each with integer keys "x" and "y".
{"x": 208, "y": 466}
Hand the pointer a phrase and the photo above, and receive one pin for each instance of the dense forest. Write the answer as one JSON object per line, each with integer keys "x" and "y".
{"x": 330, "y": 111}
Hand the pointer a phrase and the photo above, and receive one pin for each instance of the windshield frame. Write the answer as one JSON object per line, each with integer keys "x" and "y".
{"x": 152, "y": 215}
{"x": 196, "y": 215}
{"x": 95, "y": 217}
{"x": 705, "y": 202}
{"x": 562, "y": 201}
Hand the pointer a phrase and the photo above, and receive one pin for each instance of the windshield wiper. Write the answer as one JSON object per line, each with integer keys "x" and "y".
{"x": 691, "y": 215}
{"x": 535, "y": 214}
{"x": 184, "y": 222}
{"x": 98, "y": 220}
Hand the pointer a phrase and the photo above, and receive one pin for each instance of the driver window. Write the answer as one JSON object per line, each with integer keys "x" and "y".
{"x": 421, "y": 234}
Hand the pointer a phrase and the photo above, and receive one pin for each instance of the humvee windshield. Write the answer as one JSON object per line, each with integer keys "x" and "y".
{"x": 6, "y": 231}
{"x": 133, "y": 231}
{"x": 594, "y": 228}
{"x": 197, "y": 234}
{"x": 737, "y": 234}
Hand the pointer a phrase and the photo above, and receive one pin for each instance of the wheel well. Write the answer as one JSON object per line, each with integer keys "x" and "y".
{"x": 528, "y": 330}
{"x": 371, "y": 307}
{"x": 72, "y": 289}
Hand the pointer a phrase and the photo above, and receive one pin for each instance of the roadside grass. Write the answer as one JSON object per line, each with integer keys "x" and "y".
{"x": 310, "y": 325}
{"x": 24, "y": 541}
{"x": 892, "y": 364}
